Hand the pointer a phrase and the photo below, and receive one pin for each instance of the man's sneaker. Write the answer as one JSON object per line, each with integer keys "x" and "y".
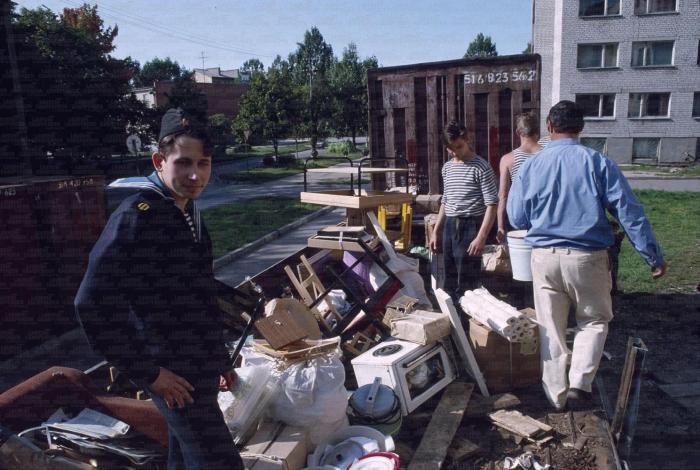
{"x": 577, "y": 399}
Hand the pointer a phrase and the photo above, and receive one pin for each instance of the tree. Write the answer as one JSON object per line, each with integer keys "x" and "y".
{"x": 528, "y": 49}
{"x": 86, "y": 20}
{"x": 221, "y": 133}
{"x": 186, "y": 95}
{"x": 159, "y": 70}
{"x": 348, "y": 80}
{"x": 76, "y": 95}
{"x": 252, "y": 66}
{"x": 310, "y": 65}
{"x": 481, "y": 46}
{"x": 269, "y": 106}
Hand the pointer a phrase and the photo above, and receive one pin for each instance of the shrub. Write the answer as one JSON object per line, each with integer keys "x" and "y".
{"x": 343, "y": 148}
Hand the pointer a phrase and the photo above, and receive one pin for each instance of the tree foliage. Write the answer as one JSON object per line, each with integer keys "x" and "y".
{"x": 252, "y": 66}
{"x": 481, "y": 46}
{"x": 75, "y": 93}
{"x": 348, "y": 80}
{"x": 310, "y": 65}
{"x": 269, "y": 107}
{"x": 159, "y": 70}
{"x": 528, "y": 49}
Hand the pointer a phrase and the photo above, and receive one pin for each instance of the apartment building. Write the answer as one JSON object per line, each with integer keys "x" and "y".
{"x": 633, "y": 65}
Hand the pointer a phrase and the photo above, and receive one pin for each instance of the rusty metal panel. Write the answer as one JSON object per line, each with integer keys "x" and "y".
{"x": 409, "y": 106}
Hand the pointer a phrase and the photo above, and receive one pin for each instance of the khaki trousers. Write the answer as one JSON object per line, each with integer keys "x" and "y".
{"x": 565, "y": 277}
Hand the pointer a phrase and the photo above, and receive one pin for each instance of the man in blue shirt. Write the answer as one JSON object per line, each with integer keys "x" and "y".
{"x": 561, "y": 197}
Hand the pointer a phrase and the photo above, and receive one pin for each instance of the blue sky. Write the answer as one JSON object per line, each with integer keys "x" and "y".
{"x": 229, "y": 32}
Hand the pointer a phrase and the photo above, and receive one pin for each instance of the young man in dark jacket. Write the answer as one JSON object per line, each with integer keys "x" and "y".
{"x": 147, "y": 300}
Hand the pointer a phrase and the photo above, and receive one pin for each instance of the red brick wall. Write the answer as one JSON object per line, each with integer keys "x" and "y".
{"x": 222, "y": 98}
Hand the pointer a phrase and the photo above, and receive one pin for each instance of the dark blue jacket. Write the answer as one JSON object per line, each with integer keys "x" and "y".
{"x": 147, "y": 298}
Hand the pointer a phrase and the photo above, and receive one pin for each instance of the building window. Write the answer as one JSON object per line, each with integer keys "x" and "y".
{"x": 598, "y": 7}
{"x": 696, "y": 104}
{"x": 649, "y": 105}
{"x": 646, "y": 7}
{"x": 596, "y": 143}
{"x": 597, "y": 105}
{"x": 596, "y": 56}
{"x": 645, "y": 147}
{"x": 652, "y": 54}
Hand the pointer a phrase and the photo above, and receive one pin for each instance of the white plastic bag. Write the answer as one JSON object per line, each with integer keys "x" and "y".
{"x": 312, "y": 395}
{"x": 243, "y": 406}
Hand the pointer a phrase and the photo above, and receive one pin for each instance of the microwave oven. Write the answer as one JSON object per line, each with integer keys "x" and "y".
{"x": 415, "y": 372}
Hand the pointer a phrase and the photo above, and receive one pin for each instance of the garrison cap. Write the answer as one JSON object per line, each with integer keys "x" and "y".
{"x": 174, "y": 122}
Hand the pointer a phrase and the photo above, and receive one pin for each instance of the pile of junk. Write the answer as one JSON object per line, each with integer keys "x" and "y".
{"x": 349, "y": 355}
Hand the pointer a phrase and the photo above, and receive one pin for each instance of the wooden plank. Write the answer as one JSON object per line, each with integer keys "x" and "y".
{"x": 451, "y": 97}
{"x": 368, "y": 199}
{"x": 465, "y": 350}
{"x": 480, "y": 406}
{"x": 681, "y": 390}
{"x": 493, "y": 152}
{"x": 389, "y": 146}
{"x": 446, "y": 419}
{"x": 519, "y": 423}
{"x": 434, "y": 151}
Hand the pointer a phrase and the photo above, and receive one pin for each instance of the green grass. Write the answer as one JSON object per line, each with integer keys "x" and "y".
{"x": 675, "y": 217}
{"x": 265, "y": 174}
{"x": 266, "y": 150}
{"x": 692, "y": 170}
{"x": 233, "y": 225}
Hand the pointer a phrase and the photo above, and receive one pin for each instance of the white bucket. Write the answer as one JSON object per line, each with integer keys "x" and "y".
{"x": 519, "y": 251}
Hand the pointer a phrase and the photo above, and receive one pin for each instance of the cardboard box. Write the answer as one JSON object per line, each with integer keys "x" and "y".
{"x": 276, "y": 446}
{"x": 505, "y": 365}
{"x": 421, "y": 326}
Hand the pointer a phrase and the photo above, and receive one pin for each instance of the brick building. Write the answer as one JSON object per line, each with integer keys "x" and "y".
{"x": 222, "y": 98}
{"x": 224, "y": 90}
{"x": 634, "y": 65}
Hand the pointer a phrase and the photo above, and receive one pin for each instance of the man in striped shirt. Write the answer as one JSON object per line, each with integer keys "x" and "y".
{"x": 467, "y": 212}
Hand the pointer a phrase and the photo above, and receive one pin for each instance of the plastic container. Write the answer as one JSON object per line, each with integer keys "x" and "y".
{"x": 520, "y": 252}
{"x": 377, "y": 461}
{"x": 386, "y": 443}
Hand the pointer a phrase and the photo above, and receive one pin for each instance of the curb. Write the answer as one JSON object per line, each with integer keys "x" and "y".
{"x": 247, "y": 248}
{"x": 663, "y": 177}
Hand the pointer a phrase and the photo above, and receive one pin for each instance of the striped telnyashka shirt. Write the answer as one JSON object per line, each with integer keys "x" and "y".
{"x": 519, "y": 157}
{"x": 468, "y": 187}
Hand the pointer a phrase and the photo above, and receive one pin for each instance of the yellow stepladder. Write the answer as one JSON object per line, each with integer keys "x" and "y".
{"x": 385, "y": 212}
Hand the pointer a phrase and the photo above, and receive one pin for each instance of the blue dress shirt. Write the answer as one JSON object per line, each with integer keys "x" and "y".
{"x": 560, "y": 197}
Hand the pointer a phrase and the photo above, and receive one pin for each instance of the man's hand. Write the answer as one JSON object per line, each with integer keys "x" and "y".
{"x": 660, "y": 271}
{"x": 172, "y": 388}
{"x": 476, "y": 247}
{"x": 435, "y": 240}
{"x": 501, "y": 235}
{"x": 227, "y": 380}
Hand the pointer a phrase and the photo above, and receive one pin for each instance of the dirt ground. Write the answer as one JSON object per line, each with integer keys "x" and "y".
{"x": 666, "y": 436}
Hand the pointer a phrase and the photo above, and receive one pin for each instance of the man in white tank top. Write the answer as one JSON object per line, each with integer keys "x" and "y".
{"x": 528, "y": 129}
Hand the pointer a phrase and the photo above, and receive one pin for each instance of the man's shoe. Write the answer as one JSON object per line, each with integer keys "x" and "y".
{"x": 577, "y": 399}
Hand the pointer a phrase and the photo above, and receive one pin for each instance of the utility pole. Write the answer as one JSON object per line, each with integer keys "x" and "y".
{"x": 203, "y": 57}
{"x": 25, "y": 161}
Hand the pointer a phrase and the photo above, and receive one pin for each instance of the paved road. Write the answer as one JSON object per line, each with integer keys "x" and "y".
{"x": 267, "y": 255}
{"x": 663, "y": 183}
{"x": 218, "y": 193}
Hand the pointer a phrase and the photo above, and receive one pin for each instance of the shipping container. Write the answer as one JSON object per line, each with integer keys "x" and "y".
{"x": 410, "y": 104}
{"x": 51, "y": 224}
